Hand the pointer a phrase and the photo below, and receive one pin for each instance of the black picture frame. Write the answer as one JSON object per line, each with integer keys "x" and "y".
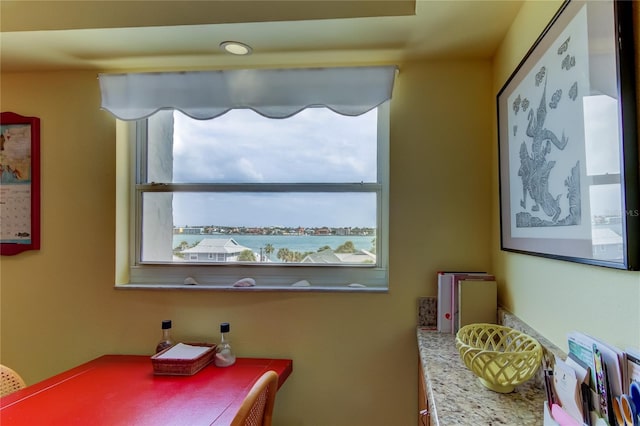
{"x": 569, "y": 172}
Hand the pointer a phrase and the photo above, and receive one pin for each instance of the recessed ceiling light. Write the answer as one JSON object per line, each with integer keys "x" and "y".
{"x": 235, "y": 48}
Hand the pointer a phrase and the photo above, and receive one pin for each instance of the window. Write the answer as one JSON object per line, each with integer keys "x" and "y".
{"x": 299, "y": 201}
{"x": 283, "y": 201}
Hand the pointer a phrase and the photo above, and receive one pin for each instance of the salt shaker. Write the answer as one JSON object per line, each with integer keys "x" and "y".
{"x": 224, "y": 354}
{"x": 166, "y": 341}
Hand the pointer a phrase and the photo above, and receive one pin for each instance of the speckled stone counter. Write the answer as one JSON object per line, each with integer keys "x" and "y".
{"x": 456, "y": 397}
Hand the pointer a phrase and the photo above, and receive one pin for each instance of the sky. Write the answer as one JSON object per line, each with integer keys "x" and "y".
{"x": 315, "y": 145}
{"x": 602, "y": 152}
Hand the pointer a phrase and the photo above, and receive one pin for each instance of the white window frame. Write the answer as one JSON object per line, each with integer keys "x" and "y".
{"x": 361, "y": 278}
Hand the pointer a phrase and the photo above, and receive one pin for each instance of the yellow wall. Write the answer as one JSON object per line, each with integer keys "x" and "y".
{"x": 555, "y": 297}
{"x": 355, "y": 356}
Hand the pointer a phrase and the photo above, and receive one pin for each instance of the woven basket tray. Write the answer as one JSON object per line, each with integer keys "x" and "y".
{"x": 183, "y": 367}
{"x": 500, "y": 356}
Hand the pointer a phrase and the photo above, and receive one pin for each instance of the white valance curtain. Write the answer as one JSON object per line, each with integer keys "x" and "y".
{"x": 274, "y": 93}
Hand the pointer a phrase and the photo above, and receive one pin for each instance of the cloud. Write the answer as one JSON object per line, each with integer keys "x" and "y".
{"x": 241, "y": 146}
{"x": 601, "y": 135}
{"x": 299, "y": 209}
{"x": 315, "y": 145}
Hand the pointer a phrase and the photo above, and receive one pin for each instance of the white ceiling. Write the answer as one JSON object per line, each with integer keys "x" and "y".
{"x": 168, "y": 35}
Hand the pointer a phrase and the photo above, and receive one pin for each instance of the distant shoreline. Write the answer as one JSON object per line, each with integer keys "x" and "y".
{"x": 300, "y": 243}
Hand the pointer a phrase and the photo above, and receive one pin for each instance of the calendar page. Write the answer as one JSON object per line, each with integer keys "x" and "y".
{"x": 15, "y": 183}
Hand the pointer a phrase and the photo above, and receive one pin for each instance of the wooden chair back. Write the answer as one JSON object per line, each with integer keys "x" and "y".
{"x": 257, "y": 407}
{"x": 10, "y": 381}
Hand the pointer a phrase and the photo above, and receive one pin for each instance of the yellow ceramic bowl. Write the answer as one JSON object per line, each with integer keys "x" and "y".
{"x": 501, "y": 357}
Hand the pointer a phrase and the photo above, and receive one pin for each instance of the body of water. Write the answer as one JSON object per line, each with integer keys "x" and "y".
{"x": 301, "y": 243}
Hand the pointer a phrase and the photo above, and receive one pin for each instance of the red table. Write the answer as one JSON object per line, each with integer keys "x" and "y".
{"x": 122, "y": 390}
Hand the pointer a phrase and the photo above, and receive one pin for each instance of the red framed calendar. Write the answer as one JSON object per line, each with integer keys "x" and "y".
{"x": 19, "y": 183}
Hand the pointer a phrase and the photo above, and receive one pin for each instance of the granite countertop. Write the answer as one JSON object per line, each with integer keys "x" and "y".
{"x": 456, "y": 397}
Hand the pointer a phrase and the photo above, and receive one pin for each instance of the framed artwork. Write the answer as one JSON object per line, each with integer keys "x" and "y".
{"x": 568, "y": 141}
{"x": 19, "y": 183}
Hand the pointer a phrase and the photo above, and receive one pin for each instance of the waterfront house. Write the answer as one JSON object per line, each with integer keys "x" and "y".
{"x": 607, "y": 243}
{"x": 329, "y": 256}
{"x": 214, "y": 250}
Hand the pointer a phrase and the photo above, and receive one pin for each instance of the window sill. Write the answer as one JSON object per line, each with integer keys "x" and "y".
{"x": 230, "y": 288}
